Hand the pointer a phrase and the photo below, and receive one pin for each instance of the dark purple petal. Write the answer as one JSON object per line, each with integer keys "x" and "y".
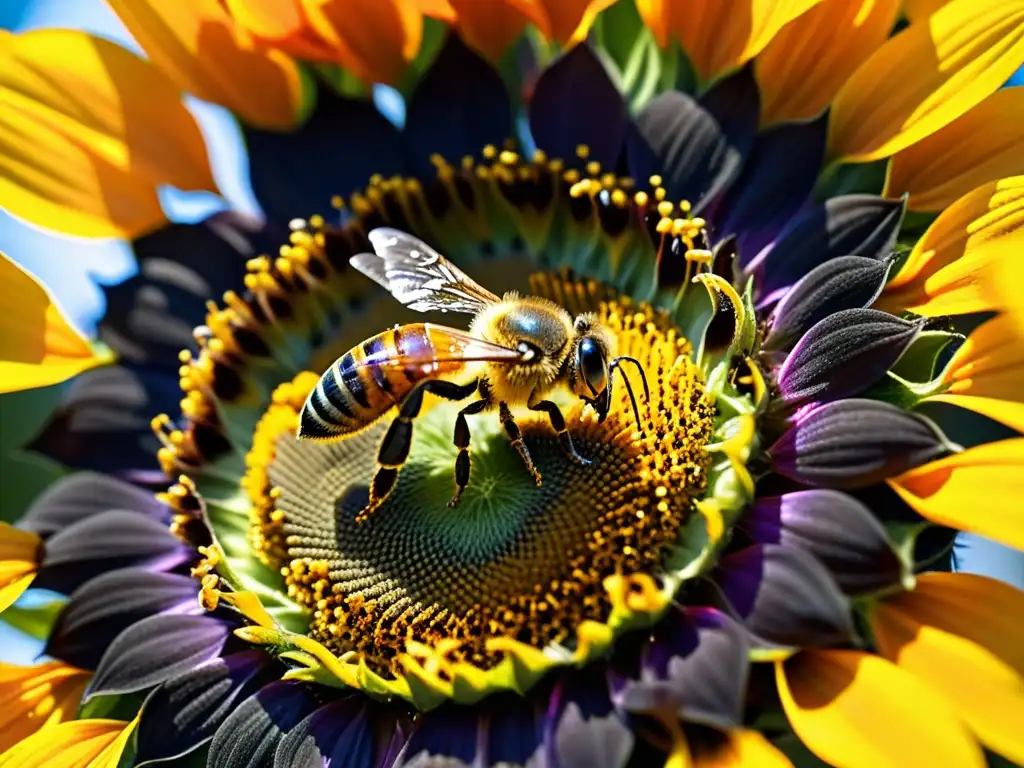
{"x": 150, "y": 317}
{"x": 102, "y": 608}
{"x": 844, "y": 354}
{"x": 183, "y": 713}
{"x": 853, "y": 225}
{"x": 156, "y": 649}
{"x": 837, "y": 529}
{"x": 459, "y": 107}
{"x": 105, "y": 542}
{"x": 339, "y": 734}
{"x": 697, "y": 147}
{"x": 514, "y": 730}
{"x": 847, "y": 282}
{"x": 84, "y": 494}
{"x": 854, "y": 443}
{"x": 251, "y": 734}
{"x": 785, "y": 596}
{"x": 575, "y": 102}
{"x": 776, "y": 182}
{"x": 582, "y": 729}
{"x": 696, "y": 664}
{"x": 342, "y": 144}
{"x": 103, "y": 422}
{"x": 445, "y": 736}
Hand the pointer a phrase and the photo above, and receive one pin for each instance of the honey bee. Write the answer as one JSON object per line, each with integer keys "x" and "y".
{"x": 518, "y": 350}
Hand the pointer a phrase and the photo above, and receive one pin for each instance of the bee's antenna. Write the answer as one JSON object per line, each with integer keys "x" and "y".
{"x": 629, "y": 387}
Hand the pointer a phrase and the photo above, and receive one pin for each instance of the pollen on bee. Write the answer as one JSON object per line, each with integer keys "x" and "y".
{"x": 296, "y": 224}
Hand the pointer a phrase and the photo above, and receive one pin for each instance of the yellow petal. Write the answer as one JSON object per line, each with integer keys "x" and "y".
{"x": 198, "y": 45}
{"x": 947, "y": 272}
{"x": 987, "y": 693}
{"x": 857, "y": 710}
{"x": 72, "y": 744}
{"x": 980, "y": 146}
{"x": 718, "y": 36}
{"x": 385, "y": 38}
{"x": 488, "y": 28}
{"x": 988, "y": 363}
{"x": 918, "y": 10}
{"x": 564, "y": 21}
{"x": 38, "y": 347}
{"x": 109, "y": 101}
{"x": 925, "y": 77}
{"x": 32, "y": 698}
{"x": 742, "y": 749}
{"x": 949, "y": 491}
{"x": 837, "y": 35}
{"x": 19, "y": 556}
{"x": 1004, "y": 411}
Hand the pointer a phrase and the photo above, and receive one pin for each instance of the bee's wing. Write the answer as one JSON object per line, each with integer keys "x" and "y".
{"x": 450, "y": 345}
{"x": 418, "y": 276}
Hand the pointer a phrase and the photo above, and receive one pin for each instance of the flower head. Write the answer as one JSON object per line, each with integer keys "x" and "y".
{"x": 782, "y": 212}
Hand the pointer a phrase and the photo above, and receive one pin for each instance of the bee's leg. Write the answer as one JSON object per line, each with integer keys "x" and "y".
{"x": 512, "y": 430}
{"x": 461, "y": 441}
{"x": 394, "y": 448}
{"x": 558, "y": 423}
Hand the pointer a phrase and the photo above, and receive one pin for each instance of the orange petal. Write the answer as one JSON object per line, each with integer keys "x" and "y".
{"x": 38, "y": 347}
{"x": 857, "y": 710}
{"x": 564, "y": 21}
{"x": 742, "y": 749}
{"x": 283, "y": 24}
{"x": 950, "y": 491}
{"x": 72, "y": 744}
{"x": 19, "y": 559}
{"x": 837, "y": 35}
{"x": 947, "y": 272}
{"x": 718, "y": 36}
{"x": 986, "y": 365}
{"x": 1004, "y": 411}
{"x": 202, "y": 49}
{"x": 489, "y": 28}
{"x": 925, "y": 77}
{"x": 918, "y": 10}
{"x": 385, "y": 37}
{"x": 32, "y": 698}
{"x": 108, "y": 101}
{"x": 978, "y": 147}
{"x": 986, "y": 692}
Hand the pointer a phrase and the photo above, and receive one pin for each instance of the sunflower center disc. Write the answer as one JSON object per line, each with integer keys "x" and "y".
{"x": 513, "y": 560}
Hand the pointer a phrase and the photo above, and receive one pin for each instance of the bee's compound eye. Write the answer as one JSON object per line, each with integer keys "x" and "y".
{"x": 592, "y": 365}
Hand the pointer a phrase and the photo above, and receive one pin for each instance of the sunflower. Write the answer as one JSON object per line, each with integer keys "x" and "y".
{"x": 800, "y": 218}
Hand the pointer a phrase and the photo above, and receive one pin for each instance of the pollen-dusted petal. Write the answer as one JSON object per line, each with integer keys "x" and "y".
{"x": 925, "y": 77}
{"x": 978, "y": 147}
{"x": 784, "y": 596}
{"x": 19, "y": 555}
{"x": 847, "y": 282}
{"x": 377, "y": 48}
{"x": 947, "y": 270}
{"x": 200, "y": 47}
{"x": 184, "y": 712}
{"x": 837, "y": 35}
{"x": 36, "y": 697}
{"x": 331, "y": 735}
{"x": 697, "y": 147}
{"x": 489, "y": 28}
{"x": 986, "y": 692}
{"x": 102, "y": 608}
{"x": 73, "y": 744}
{"x": 251, "y": 733}
{"x": 741, "y": 29}
{"x": 112, "y": 539}
{"x": 857, "y": 710}
{"x": 837, "y": 529}
{"x": 38, "y": 347}
{"x": 156, "y": 649}
{"x": 947, "y": 491}
{"x": 777, "y": 179}
{"x": 695, "y": 664}
{"x": 852, "y": 225}
{"x": 574, "y": 103}
{"x": 564, "y": 21}
{"x": 843, "y": 355}
{"x": 854, "y": 443}
{"x": 461, "y": 102}
{"x": 110, "y": 103}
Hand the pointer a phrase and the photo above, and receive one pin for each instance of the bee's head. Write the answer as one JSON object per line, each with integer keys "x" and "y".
{"x": 592, "y": 365}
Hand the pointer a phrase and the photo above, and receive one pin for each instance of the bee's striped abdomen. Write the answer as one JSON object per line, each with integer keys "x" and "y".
{"x": 370, "y": 379}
